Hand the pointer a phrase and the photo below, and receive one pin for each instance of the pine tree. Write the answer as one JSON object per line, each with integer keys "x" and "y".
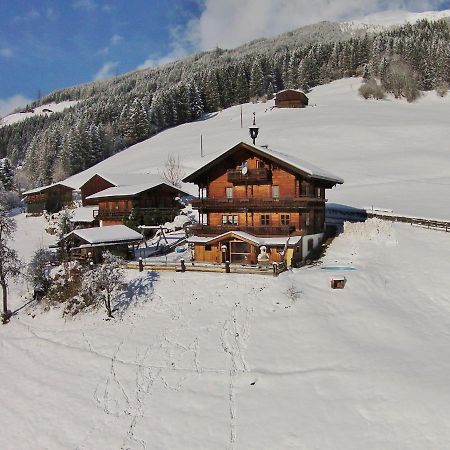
{"x": 6, "y": 174}
{"x": 256, "y": 87}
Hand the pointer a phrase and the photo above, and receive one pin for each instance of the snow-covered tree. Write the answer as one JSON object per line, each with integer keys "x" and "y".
{"x": 104, "y": 280}
{"x": 10, "y": 264}
{"x": 6, "y": 174}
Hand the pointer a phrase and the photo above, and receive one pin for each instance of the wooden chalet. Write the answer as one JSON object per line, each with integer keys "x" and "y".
{"x": 151, "y": 203}
{"x": 291, "y": 98}
{"x": 264, "y": 194}
{"x": 92, "y": 242}
{"x": 101, "y": 181}
{"x": 51, "y": 198}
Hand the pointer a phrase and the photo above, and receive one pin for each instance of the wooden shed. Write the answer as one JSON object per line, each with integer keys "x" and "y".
{"x": 291, "y": 98}
{"x": 51, "y": 198}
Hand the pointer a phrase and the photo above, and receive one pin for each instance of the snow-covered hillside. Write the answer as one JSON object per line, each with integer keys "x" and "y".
{"x": 381, "y": 20}
{"x": 216, "y": 361}
{"x": 40, "y": 110}
{"x": 391, "y": 153}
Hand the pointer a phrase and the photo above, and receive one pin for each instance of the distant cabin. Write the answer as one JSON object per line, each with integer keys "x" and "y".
{"x": 101, "y": 181}
{"x": 150, "y": 203}
{"x": 51, "y": 198}
{"x": 291, "y": 98}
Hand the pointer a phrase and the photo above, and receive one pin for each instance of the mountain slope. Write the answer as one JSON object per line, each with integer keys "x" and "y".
{"x": 391, "y": 153}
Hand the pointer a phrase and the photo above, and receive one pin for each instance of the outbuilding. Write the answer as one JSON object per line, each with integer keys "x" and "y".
{"x": 291, "y": 98}
{"x": 51, "y": 198}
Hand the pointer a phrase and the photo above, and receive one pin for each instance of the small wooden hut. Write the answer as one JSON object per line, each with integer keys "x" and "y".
{"x": 51, "y": 198}
{"x": 291, "y": 98}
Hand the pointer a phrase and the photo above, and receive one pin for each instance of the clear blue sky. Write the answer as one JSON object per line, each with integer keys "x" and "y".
{"x": 49, "y": 44}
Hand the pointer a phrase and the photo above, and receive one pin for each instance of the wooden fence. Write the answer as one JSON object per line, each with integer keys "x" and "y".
{"x": 441, "y": 225}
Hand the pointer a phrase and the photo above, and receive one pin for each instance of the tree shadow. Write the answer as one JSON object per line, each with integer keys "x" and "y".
{"x": 138, "y": 290}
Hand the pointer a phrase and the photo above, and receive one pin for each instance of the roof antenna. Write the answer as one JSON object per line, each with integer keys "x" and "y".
{"x": 254, "y": 129}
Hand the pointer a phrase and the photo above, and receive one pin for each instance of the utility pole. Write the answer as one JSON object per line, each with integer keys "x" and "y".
{"x": 201, "y": 145}
{"x": 241, "y": 116}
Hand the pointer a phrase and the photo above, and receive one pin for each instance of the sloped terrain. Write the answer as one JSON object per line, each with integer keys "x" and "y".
{"x": 219, "y": 361}
{"x": 391, "y": 154}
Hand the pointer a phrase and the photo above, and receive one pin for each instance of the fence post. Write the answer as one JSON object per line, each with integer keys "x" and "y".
{"x": 141, "y": 265}
{"x": 227, "y": 266}
{"x": 183, "y": 265}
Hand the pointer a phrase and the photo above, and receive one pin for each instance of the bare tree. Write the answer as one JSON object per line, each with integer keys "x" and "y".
{"x": 104, "y": 280}
{"x": 402, "y": 81}
{"x": 173, "y": 171}
{"x": 10, "y": 263}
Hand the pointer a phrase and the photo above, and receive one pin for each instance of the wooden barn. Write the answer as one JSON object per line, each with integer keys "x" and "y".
{"x": 92, "y": 242}
{"x": 51, "y": 198}
{"x": 264, "y": 194}
{"x": 291, "y": 98}
{"x": 101, "y": 181}
{"x": 151, "y": 203}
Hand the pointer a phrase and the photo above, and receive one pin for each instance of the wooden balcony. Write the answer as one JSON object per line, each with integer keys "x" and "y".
{"x": 207, "y": 230}
{"x": 236, "y": 176}
{"x": 120, "y": 214}
{"x": 262, "y": 203}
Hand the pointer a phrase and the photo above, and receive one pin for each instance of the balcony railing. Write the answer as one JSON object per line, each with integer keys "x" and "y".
{"x": 209, "y": 230}
{"x": 252, "y": 176}
{"x": 261, "y": 202}
{"x": 120, "y": 214}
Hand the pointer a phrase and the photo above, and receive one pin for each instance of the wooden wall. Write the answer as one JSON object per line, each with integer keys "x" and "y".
{"x": 93, "y": 186}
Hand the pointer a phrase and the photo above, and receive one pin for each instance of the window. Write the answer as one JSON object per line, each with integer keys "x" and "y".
{"x": 276, "y": 191}
{"x": 310, "y": 244}
{"x": 285, "y": 219}
{"x": 230, "y": 220}
{"x": 229, "y": 191}
{"x": 260, "y": 164}
{"x": 305, "y": 189}
{"x": 207, "y": 247}
{"x": 318, "y": 191}
{"x": 265, "y": 219}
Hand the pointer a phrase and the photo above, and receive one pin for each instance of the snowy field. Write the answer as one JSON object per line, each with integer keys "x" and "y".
{"x": 39, "y": 111}
{"x": 214, "y": 361}
{"x": 391, "y": 154}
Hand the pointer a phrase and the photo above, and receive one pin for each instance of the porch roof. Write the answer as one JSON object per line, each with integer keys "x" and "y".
{"x": 256, "y": 240}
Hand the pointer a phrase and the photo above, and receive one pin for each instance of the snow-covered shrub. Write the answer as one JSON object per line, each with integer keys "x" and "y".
{"x": 9, "y": 200}
{"x": 371, "y": 89}
{"x": 38, "y": 270}
{"x": 442, "y": 89}
{"x": 103, "y": 281}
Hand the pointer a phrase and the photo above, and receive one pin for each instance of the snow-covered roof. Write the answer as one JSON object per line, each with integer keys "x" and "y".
{"x": 257, "y": 240}
{"x": 44, "y": 188}
{"x": 109, "y": 234}
{"x": 84, "y": 214}
{"x": 128, "y": 179}
{"x": 293, "y": 162}
{"x": 131, "y": 190}
{"x": 290, "y": 90}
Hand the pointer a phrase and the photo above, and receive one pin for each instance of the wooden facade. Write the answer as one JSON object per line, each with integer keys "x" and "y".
{"x": 291, "y": 98}
{"x": 50, "y": 198}
{"x": 249, "y": 190}
{"x": 153, "y": 206}
{"x": 95, "y": 184}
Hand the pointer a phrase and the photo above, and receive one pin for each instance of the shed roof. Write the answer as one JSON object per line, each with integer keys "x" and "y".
{"x": 294, "y": 163}
{"x": 290, "y": 90}
{"x": 132, "y": 190}
{"x": 84, "y": 214}
{"x": 126, "y": 179}
{"x": 45, "y": 188}
{"x": 256, "y": 240}
{"x": 109, "y": 234}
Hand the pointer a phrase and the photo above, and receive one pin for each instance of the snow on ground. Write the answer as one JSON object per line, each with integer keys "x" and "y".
{"x": 219, "y": 361}
{"x": 39, "y": 111}
{"x": 391, "y": 153}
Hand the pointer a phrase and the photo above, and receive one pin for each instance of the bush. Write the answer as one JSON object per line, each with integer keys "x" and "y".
{"x": 402, "y": 81}
{"x": 9, "y": 200}
{"x": 442, "y": 89}
{"x": 371, "y": 89}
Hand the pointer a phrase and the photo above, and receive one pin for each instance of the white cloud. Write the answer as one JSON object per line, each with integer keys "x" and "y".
{"x": 8, "y": 105}
{"x": 88, "y": 5}
{"x": 231, "y": 23}
{"x": 115, "y": 39}
{"x": 106, "y": 71}
{"x": 6, "y": 52}
{"x": 155, "y": 60}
